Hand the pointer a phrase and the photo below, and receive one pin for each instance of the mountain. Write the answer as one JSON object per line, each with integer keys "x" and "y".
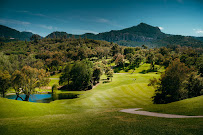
{"x": 140, "y": 33}
{"x": 178, "y": 40}
{"x": 133, "y": 36}
{"x": 12, "y": 34}
{"x": 58, "y": 34}
{"x": 137, "y": 36}
{"x": 199, "y": 38}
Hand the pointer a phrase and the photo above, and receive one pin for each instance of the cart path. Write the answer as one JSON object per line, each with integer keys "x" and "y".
{"x": 146, "y": 113}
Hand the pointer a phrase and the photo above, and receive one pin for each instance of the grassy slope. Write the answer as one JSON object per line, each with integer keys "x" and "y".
{"x": 96, "y": 112}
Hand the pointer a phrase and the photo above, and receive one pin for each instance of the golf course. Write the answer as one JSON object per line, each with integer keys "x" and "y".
{"x": 97, "y": 111}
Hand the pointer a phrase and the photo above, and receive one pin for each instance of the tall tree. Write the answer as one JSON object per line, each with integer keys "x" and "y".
{"x": 130, "y": 57}
{"x": 29, "y": 78}
{"x": 171, "y": 83}
{"x": 66, "y": 76}
{"x": 4, "y": 81}
{"x": 109, "y": 73}
{"x": 17, "y": 81}
{"x": 194, "y": 85}
{"x": 97, "y": 72}
{"x": 120, "y": 60}
{"x": 81, "y": 74}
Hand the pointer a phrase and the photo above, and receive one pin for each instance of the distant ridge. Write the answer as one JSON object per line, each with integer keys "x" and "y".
{"x": 140, "y": 33}
{"x": 9, "y": 33}
{"x": 132, "y": 36}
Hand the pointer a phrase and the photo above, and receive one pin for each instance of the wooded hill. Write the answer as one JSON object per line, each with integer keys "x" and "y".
{"x": 9, "y": 34}
{"x": 133, "y": 36}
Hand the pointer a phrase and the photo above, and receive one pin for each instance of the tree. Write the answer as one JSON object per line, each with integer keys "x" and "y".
{"x": 66, "y": 76}
{"x": 120, "y": 60}
{"x": 130, "y": 57}
{"x": 115, "y": 49}
{"x": 82, "y": 53}
{"x": 54, "y": 87}
{"x": 159, "y": 59}
{"x": 100, "y": 52}
{"x": 150, "y": 58}
{"x": 144, "y": 47}
{"x": 171, "y": 83}
{"x": 163, "y": 50}
{"x": 4, "y": 81}
{"x": 109, "y": 73}
{"x": 5, "y": 63}
{"x": 35, "y": 38}
{"x": 29, "y": 78}
{"x": 17, "y": 83}
{"x": 129, "y": 50}
{"x": 137, "y": 60}
{"x": 194, "y": 85}
{"x": 97, "y": 72}
{"x": 106, "y": 51}
{"x": 81, "y": 74}
{"x": 199, "y": 65}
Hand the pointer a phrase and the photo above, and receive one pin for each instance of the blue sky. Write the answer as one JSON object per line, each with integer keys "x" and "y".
{"x": 183, "y": 17}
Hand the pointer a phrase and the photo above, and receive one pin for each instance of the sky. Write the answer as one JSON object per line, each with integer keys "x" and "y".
{"x": 181, "y": 17}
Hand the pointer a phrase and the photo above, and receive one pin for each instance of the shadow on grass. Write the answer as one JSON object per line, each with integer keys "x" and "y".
{"x": 149, "y": 70}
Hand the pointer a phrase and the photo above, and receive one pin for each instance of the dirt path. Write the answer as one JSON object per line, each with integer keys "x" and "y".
{"x": 146, "y": 113}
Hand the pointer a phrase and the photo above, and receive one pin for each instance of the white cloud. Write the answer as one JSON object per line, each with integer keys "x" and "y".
{"x": 47, "y": 27}
{"x": 102, "y": 20}
{"x": 84, "y": 31}
{"x": 161, "y": 28}
{"x": 198, "y": 31}
{"x": 11, "y": 21}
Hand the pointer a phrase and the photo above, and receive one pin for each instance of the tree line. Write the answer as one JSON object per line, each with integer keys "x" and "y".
{"x": 78, "y": 61}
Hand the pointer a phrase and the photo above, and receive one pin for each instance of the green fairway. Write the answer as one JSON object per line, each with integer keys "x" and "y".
{"x": 97, "y": 111}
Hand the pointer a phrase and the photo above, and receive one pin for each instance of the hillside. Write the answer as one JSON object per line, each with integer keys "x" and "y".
{"x": 199, "y": 38}
{"x": 137, "y": 36}
{"x": 133, "y": 36}
{"x": 178, "y": 40}
{"x": 9, "y": 33}
{"x": 140, "y": 33}
{"x": 58, "y": 34}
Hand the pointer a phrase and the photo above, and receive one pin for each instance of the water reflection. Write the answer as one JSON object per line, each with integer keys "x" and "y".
{"x": 45, "y": 98}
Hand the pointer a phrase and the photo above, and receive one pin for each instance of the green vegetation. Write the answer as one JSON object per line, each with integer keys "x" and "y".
{"x": 122, "y": 75}
{"x": 26, "y": 80}
{"x": 134, "y": 36}
{"x": 4, "y": 81}
{"x": 80, "y": 75}
{"x": 6, "y": 33}
{"x": 97, "y": 111}
{"x": 176, "y": 83}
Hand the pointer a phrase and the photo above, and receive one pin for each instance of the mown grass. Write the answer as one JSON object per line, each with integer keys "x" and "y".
{"x": 97, "y": 111}
{"x": 141, "y": 68}
{"x": 53, "y": 81}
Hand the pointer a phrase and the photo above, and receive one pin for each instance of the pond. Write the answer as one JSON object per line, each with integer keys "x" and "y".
{"x": 45, "y": 98}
